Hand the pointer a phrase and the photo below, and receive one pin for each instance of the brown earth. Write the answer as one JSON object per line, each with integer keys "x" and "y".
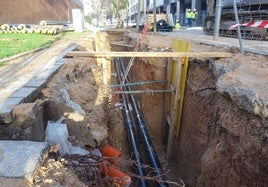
{"x": 220, "y": 144}
{"x": 33, "y": 11}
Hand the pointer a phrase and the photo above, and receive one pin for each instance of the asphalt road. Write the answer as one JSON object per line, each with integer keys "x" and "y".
{"x": 196, "y": 34}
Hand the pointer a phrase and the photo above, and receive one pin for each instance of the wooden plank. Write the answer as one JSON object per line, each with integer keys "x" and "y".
{"x": 180, "y": 45}
{"x": 178, "y": 74}
{"x": 175, "y": 80}
{"x": 147, "y": 54}
{"x": 121, "y": 45}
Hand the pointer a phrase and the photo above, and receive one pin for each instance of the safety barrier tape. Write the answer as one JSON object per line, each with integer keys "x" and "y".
{"x": 258, "y": 24}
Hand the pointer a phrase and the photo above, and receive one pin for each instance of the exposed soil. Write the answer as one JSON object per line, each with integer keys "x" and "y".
{"x": 220, "y": 144}
{"x": 76, "y": 92}
{"x": 227, "y": 143}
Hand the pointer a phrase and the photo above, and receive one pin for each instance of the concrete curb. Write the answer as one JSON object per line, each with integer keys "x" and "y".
{"x": 29, "y": 92}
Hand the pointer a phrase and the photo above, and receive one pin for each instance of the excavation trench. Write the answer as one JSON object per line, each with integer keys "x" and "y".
{"x": 219, "y": 144}
{"x": 222, "y": 142}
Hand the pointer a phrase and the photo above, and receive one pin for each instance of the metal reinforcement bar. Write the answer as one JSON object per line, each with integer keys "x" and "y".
{"x": 132, "y": 137}
{"x": 146, "y": 54}
{"x": 139, "y": 83}
{"x": 151, "y": 153}
{"x": 148, "y": 91}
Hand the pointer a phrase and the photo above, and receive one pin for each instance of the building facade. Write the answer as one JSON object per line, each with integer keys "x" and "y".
{"x": 133, "y": 9}
{"x": 176, "y": 8}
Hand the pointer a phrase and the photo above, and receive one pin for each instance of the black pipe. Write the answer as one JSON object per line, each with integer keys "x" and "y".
{"x": 131, "y": 135}
{"x": 144, "y": 135}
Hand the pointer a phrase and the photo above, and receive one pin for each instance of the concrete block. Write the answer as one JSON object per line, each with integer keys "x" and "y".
{"x": 60, "y": 61}
{"x": 50, "y": 71}
{"x": 20, "y": 159}
{"x": 6, "y": 109}
{"x": 36, "y": 83}
{"x": 29, "y": 94}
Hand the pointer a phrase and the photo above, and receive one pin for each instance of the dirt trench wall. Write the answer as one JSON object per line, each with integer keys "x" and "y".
{"x": 27, "y": 123}
{"x": 219, "y": 144}
{"x": 77, "y": 93}
{"x": 146, "y": 70}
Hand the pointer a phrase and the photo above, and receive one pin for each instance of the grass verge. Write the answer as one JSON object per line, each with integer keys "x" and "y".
{"x": 14, "y": 43}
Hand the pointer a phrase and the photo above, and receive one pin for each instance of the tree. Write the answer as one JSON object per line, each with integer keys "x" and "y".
{"x": 210, "y": 4}
{"x": 154, "y": 7}
{"x": 115, "y": 7}
{"x": 138, "y": 16}
{"x": 97, "y": 7}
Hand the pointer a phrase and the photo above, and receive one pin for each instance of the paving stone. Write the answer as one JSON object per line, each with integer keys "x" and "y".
{"x": 20, "y": 159}
{"x": 37, "y": 83}
{"x": 29, "y": 94}
{"x": 49, "y": 72}
{"x": 60, "y": 61}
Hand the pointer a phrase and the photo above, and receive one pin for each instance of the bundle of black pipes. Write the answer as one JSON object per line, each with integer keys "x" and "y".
{"x": 129, "y": 125}
{"x": 152, "y": 156}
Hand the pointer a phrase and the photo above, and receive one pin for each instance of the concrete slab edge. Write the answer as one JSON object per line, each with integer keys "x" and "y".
{"x": 28, "y": 161}
{"x": 12, "y": 101}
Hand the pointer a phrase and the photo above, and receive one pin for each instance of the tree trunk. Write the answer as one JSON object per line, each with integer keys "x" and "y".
{"x": 139, "y": 15}
{"x": 211, "y": 7}
{"x": 127, "y": 13}
{"x": 154, "y": 17}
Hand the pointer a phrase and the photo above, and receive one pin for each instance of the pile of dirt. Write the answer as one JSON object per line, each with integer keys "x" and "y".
{"x": 33, "y": 11}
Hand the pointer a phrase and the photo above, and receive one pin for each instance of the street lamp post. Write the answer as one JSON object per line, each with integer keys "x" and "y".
{"x": 238, "y": 28}
{"x": 193, "y": 4}
{"x": 217, "y": 19}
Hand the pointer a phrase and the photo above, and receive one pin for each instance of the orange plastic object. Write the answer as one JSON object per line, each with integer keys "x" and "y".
{"x": 120, "y": 178}
{"x": 110, "y": 151}
{"x": 117, "y": 96}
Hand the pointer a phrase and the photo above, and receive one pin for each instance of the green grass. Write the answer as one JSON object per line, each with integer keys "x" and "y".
{"x": 11, "y": 44}
{"x": 15, "y": 43}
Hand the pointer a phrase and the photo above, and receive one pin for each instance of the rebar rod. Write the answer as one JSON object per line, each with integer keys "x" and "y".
{"x": 148, "y": 91}
{"x": 129, "y": 65}
{"x": 139, "y": 83}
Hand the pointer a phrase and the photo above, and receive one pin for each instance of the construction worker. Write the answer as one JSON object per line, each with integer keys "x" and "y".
{"x": 177, "y": 25}
{"x": 195, "y": 16}
{"x": 189, "y": 17}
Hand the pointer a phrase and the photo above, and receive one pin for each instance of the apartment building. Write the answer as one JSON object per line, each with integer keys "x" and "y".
{"x": 133, "y": 9}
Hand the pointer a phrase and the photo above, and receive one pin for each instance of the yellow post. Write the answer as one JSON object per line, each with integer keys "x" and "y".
{"x": 180, "y": 46}
{"x": 177, "y": 72}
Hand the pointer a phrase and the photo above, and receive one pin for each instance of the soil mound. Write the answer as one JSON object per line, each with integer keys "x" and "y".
{"x": 33, "y": 11}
